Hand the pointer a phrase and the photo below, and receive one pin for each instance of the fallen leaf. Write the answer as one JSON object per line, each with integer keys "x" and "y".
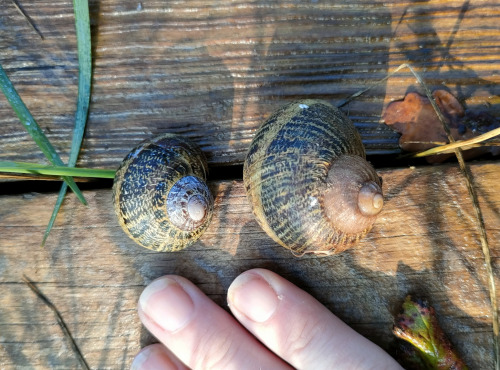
{"x": 417, "y": 324}
{"x": 420, "y": 129}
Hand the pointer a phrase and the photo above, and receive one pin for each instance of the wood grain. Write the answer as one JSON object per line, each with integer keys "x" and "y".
{"x": 214, "y": 71}
{"x": 424, "y": 242}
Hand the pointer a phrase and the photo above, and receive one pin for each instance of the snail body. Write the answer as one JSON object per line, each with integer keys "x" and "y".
{"x": 160, "y": 196}
{"x": 307, "y": 179}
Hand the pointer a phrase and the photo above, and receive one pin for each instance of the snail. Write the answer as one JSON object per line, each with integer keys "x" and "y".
{"x": 160, "y": 195}
{"x": 307, "y": 179}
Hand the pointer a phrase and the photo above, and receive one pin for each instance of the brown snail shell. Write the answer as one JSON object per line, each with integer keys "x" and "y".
{"x": 160, "y": 195}
{"x": 307, "y": 179}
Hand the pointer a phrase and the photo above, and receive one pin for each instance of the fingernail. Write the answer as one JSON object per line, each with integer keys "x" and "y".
{"x": 167, "y": 304}
{"x": 151, "y": 358}
{"x": 253, "y": 296}
{"x": 141, "y": 360}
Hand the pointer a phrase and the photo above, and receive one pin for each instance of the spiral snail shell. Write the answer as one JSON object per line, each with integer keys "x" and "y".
{"x": 160, "y": 195}
{"x": 307, "y": 179}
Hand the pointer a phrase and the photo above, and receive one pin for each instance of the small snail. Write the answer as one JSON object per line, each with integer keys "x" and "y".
{"x": 160, "y": 195}
{"x": 307, "y": 179}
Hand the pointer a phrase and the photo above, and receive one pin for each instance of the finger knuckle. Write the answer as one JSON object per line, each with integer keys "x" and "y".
{"x": 215, "y": 350}
{"x": 301, "y": 337}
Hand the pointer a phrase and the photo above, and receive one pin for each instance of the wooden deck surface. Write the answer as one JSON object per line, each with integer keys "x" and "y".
{"x": 213, "y": 71}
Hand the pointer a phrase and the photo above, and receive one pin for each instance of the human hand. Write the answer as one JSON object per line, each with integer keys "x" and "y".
{"x": 276, "y": 325}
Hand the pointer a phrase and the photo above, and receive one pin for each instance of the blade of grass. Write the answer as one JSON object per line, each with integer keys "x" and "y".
{"x": 32, "y": 168}
{"x": 82, "y": 26}
{"x": 33, "y": 177}
{"x": 33, "y": 129}
{"x": 459, "y": 144}
{"x": 55, "y": 211}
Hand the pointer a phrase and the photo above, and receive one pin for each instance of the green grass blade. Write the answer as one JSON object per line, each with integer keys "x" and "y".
{"x": 82, "y": 26}
{"x": 33, "y": 129}
{"x": 57, "y": 207}
{"x": 33, "y": 168}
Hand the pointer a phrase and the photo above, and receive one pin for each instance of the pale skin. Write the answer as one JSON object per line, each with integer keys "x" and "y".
{"x": 274, "y": 325}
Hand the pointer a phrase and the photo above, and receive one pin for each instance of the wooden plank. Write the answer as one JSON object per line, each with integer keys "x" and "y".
{"x": 213, "y": 71}
{"x": 424, "y": 242}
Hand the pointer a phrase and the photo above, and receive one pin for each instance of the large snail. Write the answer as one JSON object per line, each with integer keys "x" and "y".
{"x": 307, "y": 179}
{"x": 160, "y": 195}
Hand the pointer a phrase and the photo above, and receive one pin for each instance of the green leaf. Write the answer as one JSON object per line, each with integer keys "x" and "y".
{"x": 38, "y": 169}
{"x": 82, "y": 26}
{"x": 417, "y": 324}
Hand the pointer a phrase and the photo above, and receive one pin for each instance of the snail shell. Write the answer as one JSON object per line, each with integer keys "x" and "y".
{"x": 307, "y": 179}
{"x": 160, "y": 195}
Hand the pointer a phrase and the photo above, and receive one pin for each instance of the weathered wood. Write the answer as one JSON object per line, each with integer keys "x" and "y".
{"x": 424, "y": 242}
{"x": 213, "y": 71}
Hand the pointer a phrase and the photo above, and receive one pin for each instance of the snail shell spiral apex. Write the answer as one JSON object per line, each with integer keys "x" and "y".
{"x": 160, "y": 195}
{"x": 307, "y": 179}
